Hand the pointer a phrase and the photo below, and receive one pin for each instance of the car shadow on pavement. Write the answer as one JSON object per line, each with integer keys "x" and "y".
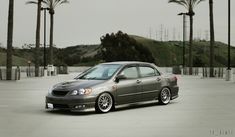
{"x": 137, "y": 106}
{"x": 72, "y": 113}
{"x": 118, "y": 109}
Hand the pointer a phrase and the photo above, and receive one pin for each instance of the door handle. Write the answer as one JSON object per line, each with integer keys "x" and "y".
{"x": 158, "y": 79}
{"x": 138, "y": 81}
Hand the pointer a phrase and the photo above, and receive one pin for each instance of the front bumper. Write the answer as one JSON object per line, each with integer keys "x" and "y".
{"x": 73, "y": 103}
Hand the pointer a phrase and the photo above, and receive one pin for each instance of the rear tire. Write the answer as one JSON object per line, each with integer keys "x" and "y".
{"x": 104, "y": 103}
{"x": 165, "y": 96}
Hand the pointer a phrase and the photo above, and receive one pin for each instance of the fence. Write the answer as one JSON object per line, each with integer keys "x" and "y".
{"x": 14, "y": 76}
{"x": 219, "y": 72}
{"x": 62, "y": 70}
{"x": 22, "y": 72}
{"x": 30, "y": 72}
{"x": 77, "y": 69}
{"x": 195, "y": 71}
{"x": 26, "y": 71}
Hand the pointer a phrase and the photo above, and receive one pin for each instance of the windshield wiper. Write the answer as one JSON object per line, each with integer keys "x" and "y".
{"x": 91, "y": 78}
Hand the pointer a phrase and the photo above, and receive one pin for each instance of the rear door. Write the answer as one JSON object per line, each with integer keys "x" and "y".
{"x": 150, "y": 82}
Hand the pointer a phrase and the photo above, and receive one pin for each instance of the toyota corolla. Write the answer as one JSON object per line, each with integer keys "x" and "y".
{"x": 111, "y": 84}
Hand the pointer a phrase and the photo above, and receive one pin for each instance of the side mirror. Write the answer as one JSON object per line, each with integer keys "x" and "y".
{"x": 120, "y": 77}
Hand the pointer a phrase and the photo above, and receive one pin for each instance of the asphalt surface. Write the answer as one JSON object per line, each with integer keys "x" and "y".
{"x": 205, "y": 108}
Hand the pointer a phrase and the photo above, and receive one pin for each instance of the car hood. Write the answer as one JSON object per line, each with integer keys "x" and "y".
{"x": 77, "y": 84}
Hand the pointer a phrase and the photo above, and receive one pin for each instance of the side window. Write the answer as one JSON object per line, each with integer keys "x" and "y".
{"x": 130, "y": 72}
{"x": 157, "y": 72}
{"x": 147, "y": 72}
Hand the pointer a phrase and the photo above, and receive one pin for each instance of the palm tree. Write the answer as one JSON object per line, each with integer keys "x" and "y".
{"x": 38, "y": 26}
{"x": 10, "y": 38}
{"x": 189, "y": 5}
{"x": 51, "y": 5}
{"x": 212, "y": 38}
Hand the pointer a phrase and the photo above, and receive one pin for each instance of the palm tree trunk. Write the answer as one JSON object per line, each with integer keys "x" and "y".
{"x": 10, "y": 38}
{"x": 37, "y": 39}
{"x": 191, "y": 45}
{"x": 51, "y": 38}
{"x": 212, "y": 38}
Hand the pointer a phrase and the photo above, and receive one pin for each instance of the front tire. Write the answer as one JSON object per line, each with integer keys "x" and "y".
{"x": 165, "y": 96}
{"x": 104, "y": 103}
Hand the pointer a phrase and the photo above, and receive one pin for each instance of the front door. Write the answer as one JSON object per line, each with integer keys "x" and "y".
{"x": 129, "y": 89}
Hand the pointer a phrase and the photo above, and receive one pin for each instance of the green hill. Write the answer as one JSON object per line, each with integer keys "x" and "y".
{"x": 165, "y": 53}
{"x": 17, "y": 61}
{"x": 170, "y": 53}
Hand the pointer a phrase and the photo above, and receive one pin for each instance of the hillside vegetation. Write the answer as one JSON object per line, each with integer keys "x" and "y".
{"x": 122, "y": 47}
{"x": 170, "y": 53}
{"x": 163, "y": 53}
{"x": 17, "y": 61}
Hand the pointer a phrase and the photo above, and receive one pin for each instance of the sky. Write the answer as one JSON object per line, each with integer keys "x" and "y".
{"x": 85, "y": 21}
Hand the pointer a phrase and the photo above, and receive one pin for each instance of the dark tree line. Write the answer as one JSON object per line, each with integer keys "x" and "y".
{"x": 121, "y": 47}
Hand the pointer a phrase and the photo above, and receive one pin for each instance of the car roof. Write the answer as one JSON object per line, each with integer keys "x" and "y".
{"x": 126, "y": 62}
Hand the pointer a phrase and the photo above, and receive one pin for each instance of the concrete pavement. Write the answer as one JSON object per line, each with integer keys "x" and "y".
{"x": 205, "y": 108}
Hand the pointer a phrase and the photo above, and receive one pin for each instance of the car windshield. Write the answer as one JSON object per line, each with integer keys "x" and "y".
{"x": 100, "y": 72}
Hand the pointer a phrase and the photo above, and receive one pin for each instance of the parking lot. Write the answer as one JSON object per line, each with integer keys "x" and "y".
{"x": 205, "y": 108}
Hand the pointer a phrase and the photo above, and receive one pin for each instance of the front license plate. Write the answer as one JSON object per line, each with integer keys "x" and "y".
{"x": 49, "y": 105}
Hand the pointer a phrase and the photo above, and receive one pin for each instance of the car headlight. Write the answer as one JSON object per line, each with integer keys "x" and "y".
{"x": 75, "y": 92}
{"x": 82, "y": 91}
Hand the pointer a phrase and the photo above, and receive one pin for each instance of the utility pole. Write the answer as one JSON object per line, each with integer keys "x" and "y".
{"x": 229, "y": 33}
{"x": 174, "y": 34}
{"x": 156, "y": 35}
{"x": 165, "y": 35}
{"x": 229, "y": 72}
{"x": 161, "y": 32}
{"x": 150, "y": 32}
{"x": 206, "y": 35}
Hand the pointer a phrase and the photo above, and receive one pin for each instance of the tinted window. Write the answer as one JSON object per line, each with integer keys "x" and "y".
{"x": 100, "y": 72}
{"x": 157, "y": 72}
{"x": 147, "y": 72}
{"x": 130, "y": 72}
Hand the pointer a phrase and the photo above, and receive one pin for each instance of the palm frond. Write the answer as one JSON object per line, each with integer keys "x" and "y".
{"x": 44, "y": 2}
{"x": 56, "y": 3}
{"x": 65, "y": 1}
{"x": 31, "y": 2}
{"x": 188, "y": 4}
{"x": 180, "y": 2}
{"x": 194, "y": 3}
{"x": 200, "y": 1}
{"x": 59, "y": 2}
{"x": 52, "y": 4}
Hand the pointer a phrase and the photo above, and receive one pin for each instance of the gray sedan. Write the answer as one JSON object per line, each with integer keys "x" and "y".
{"x": 110, "y": 84}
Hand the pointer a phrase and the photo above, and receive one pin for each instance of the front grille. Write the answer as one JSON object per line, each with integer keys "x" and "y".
{"x": 60, "y": 106}
{"x": 59, "y": 93}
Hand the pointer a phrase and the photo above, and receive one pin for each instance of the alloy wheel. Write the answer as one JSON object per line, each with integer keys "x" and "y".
{"x": 104, "y": 103}
{"x": 165, "y": 96}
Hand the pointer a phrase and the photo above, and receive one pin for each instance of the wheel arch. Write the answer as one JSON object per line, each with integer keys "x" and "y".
{"x": 167, "y": 86}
